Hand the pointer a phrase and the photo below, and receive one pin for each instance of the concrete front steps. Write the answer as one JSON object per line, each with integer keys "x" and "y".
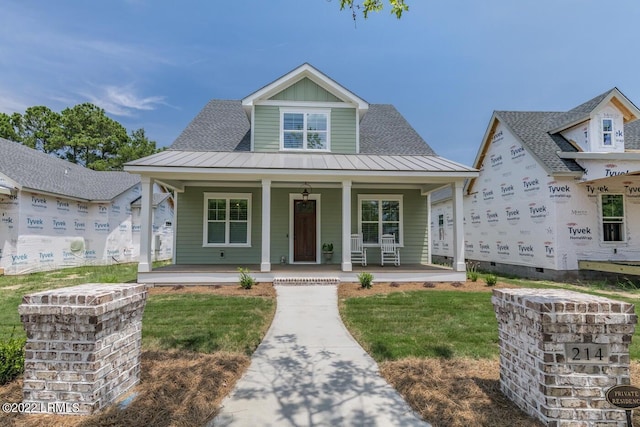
{"x": 305, "y": 281}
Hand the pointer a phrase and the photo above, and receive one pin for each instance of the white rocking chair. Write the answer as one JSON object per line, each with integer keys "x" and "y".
{"x": 358, "y": 251}
{"x": 389, "y": 251}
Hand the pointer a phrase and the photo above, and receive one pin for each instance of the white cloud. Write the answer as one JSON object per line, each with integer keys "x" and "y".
{"x": 9, "y": 103}
{"x": 123, "y": 101}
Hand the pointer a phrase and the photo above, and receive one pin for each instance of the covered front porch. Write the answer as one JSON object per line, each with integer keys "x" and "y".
{"x": 275, "y": 212}
{"x": 207, "y": 274}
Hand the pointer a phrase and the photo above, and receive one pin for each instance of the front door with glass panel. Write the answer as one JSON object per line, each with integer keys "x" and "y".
{"x": 304, "y": 231}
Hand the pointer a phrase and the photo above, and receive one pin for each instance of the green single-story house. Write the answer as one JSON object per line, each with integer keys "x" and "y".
{"x": 302, "y": 163}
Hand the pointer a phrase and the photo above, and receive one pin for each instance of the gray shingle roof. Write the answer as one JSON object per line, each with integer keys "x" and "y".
{"x": 632, "y": 135}
{"x": 579, "y": 113}
{"x": 384, "y": 131}
{"x": 39, "y": 171}
{"x": 222, "y": 125}
{"x": 532, "y": 129}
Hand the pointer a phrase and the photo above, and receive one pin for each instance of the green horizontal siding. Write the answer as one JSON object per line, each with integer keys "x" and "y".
{"x": 280, "y": 224}
{"x": 343, "y": 130}
{"x": 189, "y": 249}
{"x": 266, "y": 128}
{"x": 415, "y": 230}
{"x": 331, "y": 225}
{"x": 330, "y": 219}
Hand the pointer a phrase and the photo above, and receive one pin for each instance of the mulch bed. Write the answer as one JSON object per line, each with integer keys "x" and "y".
{"x": 176, "y": 389}
{"x": 348, "y": 290}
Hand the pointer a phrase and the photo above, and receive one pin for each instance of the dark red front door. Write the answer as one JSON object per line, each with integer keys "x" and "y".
{"x": 304, "y": 231}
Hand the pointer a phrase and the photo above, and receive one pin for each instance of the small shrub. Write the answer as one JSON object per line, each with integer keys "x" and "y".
{"x": 11, "y": 359}
{"x": 365, "y": 280}
{"x": 472, "y": 271}
{"x": 246, "y": 281}
{"x": 491, "y": 279}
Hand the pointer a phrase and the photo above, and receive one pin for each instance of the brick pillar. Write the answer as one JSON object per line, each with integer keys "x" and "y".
{"x": 83, "y": 346}
{"x": 560, "y": 351}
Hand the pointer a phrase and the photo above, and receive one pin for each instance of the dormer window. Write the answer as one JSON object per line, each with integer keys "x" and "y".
{"x": 304, "y": 130}
{"x": 607, "y": 132}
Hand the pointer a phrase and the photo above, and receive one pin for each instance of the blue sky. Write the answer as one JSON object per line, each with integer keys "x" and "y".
{"x": 446, "y": 65}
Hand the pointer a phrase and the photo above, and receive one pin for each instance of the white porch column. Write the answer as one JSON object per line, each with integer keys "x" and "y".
{"x": 429, "y": 236}
{"x": 458, "y": 227}
{"x": 144, "y": 262}
{"x": 265, "y": 264}
{"x": 174, "y": 226}
{"x": 346, "y": 226}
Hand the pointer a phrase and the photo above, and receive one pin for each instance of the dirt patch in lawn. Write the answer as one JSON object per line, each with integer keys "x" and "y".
{"x": 348, "y": 290}
{"x": 257, "y": 290}
{"x": 176, "y": 389}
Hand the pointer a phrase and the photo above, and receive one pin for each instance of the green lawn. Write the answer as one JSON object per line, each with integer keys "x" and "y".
{"x": 206, "y": 323}
{"x": 424, "y": 324}
{"x": 444, "y": 323}
{"x": 198, "y": 322}
{"x": 394, "y": 326}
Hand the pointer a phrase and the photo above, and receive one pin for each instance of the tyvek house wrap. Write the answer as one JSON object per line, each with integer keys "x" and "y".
{"x": 40, "y": 232}
{"x": 9, "y": 217}
{"x": 510, "y": 217}
{"x": 520, "y": 215}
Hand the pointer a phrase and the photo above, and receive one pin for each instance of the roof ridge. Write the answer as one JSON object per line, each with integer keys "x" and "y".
{"x": 581, "y": 111}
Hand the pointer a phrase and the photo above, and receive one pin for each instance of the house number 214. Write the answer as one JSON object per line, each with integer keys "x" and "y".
{"x": 586, "y": 353}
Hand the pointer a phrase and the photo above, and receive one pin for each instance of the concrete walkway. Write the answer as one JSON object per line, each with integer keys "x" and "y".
{"x": 309, "y": 371}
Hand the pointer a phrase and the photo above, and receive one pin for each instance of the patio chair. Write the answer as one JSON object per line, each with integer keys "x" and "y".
{"x": 358, "y": 251}
{"x": 389, "y": 251}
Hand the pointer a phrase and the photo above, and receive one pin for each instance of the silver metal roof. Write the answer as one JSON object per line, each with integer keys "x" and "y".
{"x": 296, "y": 161}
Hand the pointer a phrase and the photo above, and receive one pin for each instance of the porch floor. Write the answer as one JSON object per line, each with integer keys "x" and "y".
{"x": 183, "y": 274}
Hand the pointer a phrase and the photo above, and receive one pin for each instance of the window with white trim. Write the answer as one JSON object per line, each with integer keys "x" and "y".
{"x": 304, "y": 130}
{"x": 607, "y": 131}
{"x": 227, "y": 219}
{"x": 378, "y": 215}
{"x": 612, "y": 217}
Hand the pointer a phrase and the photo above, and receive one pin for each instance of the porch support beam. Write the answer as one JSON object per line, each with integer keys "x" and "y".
{"x": 458, "y": 227}
{"x": 145, "y": 264}
{"x": 265, "y": 264}
{"x": 346, "y": 226}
